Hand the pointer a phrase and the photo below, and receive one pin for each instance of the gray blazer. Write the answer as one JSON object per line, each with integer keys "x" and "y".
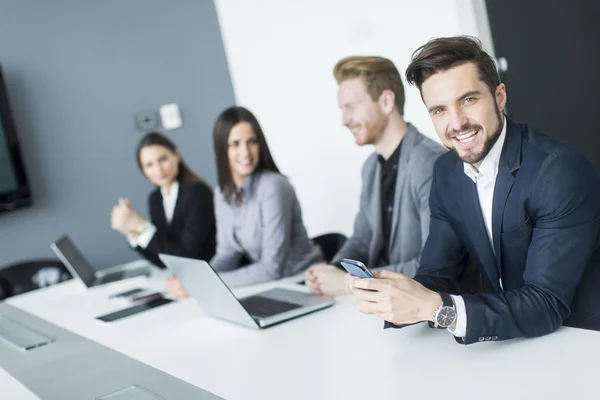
{"x": 410, "y": 221}
{"x": 266, "y": 229}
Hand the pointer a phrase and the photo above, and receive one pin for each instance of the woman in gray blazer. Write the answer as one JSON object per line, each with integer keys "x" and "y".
{"x": 260, "y": 233}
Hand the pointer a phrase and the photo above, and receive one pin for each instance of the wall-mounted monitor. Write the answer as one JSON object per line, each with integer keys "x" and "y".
{"x": 14, "y": 187}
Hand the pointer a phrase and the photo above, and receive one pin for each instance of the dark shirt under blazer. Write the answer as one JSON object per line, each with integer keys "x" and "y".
{"x": 389, "y": 172}
{"x": 410, "y": 216}
{"x": 546, "y": 235}
{"x": 192, "y": 231}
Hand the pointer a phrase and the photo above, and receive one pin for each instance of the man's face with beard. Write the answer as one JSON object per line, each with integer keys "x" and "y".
{"x": 362, "y": 115}
{"x": 466, "y": 115}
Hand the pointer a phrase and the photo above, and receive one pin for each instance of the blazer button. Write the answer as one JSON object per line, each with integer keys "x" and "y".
{"x": 494, "y": 337}
{"x": 480, "y": 339}
{"x": 487, "y": 338}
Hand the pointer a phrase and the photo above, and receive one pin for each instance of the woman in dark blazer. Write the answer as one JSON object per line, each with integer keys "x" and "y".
{"x": 182, "y": 220}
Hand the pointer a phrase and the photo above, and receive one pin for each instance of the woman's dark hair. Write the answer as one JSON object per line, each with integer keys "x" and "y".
{"x": 444, "y": 53}
{"x": 185, "y": 175}
{"x": 223, "y": 125}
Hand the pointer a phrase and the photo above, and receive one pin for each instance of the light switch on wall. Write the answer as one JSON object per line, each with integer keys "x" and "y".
{"x": 170, "y": 116}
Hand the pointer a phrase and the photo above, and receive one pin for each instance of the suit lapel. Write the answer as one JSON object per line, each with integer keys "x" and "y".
{"x": 159, "y": 210}
{"x": 510, "y": 161}
{"x": 375, "y": 212}
{"x": 472, "y": 216}
{"x": 408, "y": 143}
{"x": 504, "y": 182}
{"x": 179, "y": 203}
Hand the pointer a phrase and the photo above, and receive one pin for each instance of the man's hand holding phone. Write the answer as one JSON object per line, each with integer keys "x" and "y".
{"x": 394, "y": 297}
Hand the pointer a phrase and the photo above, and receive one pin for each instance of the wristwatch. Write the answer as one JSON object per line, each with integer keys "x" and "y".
{"x": 445, "y": 315}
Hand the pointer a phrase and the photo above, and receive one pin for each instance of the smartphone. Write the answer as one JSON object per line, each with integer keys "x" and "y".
{"x": 356, "y": 268}
{"x": 157, "y": 302}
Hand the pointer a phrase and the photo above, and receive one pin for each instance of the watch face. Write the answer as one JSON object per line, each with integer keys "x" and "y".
{"x": 446, "y": 317}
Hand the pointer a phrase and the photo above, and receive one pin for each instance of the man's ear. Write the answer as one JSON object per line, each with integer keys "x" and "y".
{"x": 387, "y": 101}
{"x": 501, "y": 96}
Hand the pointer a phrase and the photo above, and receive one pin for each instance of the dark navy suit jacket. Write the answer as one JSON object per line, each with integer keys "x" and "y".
{"x": 546, "y": 234}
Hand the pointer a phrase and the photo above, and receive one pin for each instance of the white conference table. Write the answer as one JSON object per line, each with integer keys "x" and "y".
{"x": 12, "y": 389}
{"x": 336, "y": 353}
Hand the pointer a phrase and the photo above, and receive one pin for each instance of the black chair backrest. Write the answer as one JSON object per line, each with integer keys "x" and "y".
{"x": 330, "y": 244}
{"x": 25, "y": 276}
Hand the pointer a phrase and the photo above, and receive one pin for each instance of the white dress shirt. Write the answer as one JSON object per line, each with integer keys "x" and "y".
{"x": 169, "y": 201}
{"x": 485, "y": 179}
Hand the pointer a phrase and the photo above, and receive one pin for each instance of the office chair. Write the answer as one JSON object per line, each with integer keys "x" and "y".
{"x": 330, "y": 244}
{"x": 25, "y": 276}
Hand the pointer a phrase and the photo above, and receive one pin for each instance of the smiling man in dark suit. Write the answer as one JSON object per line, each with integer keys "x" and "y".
{"x": 524, "y": 206}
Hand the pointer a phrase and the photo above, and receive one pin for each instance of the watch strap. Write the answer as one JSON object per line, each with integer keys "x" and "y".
{"x": 446, "y": 300}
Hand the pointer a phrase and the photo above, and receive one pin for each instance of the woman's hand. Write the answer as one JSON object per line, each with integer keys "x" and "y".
{"x": 119, "y": 218}
{"x": 126, "y": 220}
{"x": 176, "y": 289}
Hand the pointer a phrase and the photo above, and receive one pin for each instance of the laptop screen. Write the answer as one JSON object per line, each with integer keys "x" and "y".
{"x": 70, "y": 255}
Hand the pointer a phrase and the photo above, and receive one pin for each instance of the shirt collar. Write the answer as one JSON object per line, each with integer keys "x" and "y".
{"x": 173, "y": 194}
{"x": 489, "y": 165}
{"x": 248, "y": 184}
{"x": 393, "y": 159}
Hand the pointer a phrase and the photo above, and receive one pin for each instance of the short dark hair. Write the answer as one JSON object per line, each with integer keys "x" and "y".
{"x": 185, "y": 176}
{"x": 223, "y": 126}
{"x": 444, "y": 53}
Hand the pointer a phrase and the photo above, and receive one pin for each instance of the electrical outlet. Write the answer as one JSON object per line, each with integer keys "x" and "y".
{"x": 146, "y": 120}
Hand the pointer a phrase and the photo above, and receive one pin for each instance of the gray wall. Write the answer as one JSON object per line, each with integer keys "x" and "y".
{"x": 77, "y": 71}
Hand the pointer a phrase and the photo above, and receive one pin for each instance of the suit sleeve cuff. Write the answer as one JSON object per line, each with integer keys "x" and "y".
{"x": 461, "y": 317}
{"x": 144, "y": 237}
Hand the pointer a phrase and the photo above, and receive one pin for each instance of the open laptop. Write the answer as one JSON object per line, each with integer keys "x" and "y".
{"x": 66, "y": 250}
{"x": 257, "y": 311}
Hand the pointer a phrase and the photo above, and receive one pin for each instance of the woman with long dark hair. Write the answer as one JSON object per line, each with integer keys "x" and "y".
{"x": 260, "y": 233}
{"x": 182, "y": 220}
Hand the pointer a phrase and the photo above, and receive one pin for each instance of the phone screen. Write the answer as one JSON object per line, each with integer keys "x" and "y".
{"x": 134, "y": 310}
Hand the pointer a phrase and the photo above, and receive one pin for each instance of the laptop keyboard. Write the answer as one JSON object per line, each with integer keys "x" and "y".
{"x": 262, "y": 307}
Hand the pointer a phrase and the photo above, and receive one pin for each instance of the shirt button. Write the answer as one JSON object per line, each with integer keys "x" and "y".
{"x": 480, "y": 339}
{"x": 395, "y": 166}
{"x": 390, "y": 209}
